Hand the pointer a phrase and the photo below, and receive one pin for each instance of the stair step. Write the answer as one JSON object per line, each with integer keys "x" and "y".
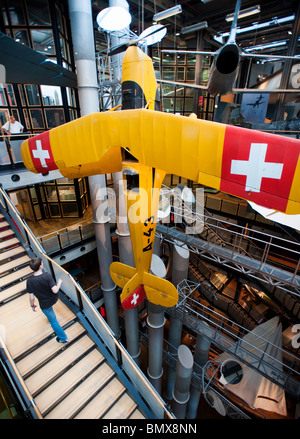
{"x": 122, "y": 409}
{"x": 48, "y": 372}
{"x": 8, "y": 242}
{"x": 14, "y": 263}
{"x": 75, "y": 400}
{"x": 12, "y": 252}
{"x": 14, "y": 276}
{"x": 47, "y": 350}
{"x": 12, "y": 291}
{"x": 6, "y": 233}
{"x": 24, "y": 328}
{"x": 137, "y": 415}
{"x": 68, "y": 380}
{"x": 4, "y": 224}
{"x": 103, "y": 401}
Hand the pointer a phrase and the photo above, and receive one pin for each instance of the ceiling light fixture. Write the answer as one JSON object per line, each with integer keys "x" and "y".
{"x": 167, "y": 13}
{"x": 194, "y": 27}
{"x": 256, "y": 25}
{"x": 114, "y": 18}
{"x": 245, "y": 13}
{"x": 266, "y": 46}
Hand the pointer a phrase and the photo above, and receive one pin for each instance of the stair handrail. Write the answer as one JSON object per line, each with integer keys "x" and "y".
{"x": 20, "y": 379}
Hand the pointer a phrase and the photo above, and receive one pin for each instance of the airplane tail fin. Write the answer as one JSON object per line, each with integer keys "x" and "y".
{"x": 137, "y": 285}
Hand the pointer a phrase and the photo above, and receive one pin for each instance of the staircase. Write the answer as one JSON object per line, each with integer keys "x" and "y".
{"x": 66, "y": 381}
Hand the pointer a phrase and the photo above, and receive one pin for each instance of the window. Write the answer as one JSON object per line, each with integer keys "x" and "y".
{"x": 168, "y": 73}
{"x": 16, "y": 12}
{"x": 33, "y": 95}
{"x": 2, "y": 96}
{"x": 54, "y": 117}
{"x": 38, "y": 12}
{"x": 180, "y": 73}
{"x": 10, "y": 94}
{"x": 37, "y": 120}
{"x": 190, "y": 73}
{"x": 51, "y": 95}
{"x": 4, "y": 117}
{"x": 21, "y": 36}
{"x": 43, "y": 41}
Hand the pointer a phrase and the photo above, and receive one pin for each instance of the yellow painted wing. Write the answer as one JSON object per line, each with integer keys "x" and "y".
{"x": 198, "y": 150}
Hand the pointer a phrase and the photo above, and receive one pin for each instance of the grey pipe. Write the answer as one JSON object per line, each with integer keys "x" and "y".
{"x": 202, "y": 349}
{"x": 80, "y": 12}
{"x": 181, "y": 394}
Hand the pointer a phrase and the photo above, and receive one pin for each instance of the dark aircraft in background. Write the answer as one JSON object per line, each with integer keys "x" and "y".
{"x": 225, "y": 66}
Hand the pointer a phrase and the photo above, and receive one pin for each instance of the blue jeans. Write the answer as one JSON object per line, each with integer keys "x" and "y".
{"x": 50, "y": 314}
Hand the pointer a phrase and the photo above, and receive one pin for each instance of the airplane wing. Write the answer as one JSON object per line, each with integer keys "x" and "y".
{"x": 262, "y": 56}
{"x": 190, "y": 52}
{"x": 182, "y": 84}
{"x": 256, "y": 166}
{"x": 234, "y": 90}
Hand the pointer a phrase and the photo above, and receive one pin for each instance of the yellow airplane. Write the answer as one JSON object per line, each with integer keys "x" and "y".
{"x": 147, "y": 144}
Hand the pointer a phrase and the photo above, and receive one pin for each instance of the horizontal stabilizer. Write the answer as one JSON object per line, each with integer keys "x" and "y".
{"x": 121, "y": 273}
{"x": 160, "y": 291}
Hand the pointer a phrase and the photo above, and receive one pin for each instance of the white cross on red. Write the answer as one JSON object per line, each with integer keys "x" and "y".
{"x": 41, "y": 154}
{"x": 256, "y": 167}
{"x": 134, "y": 299}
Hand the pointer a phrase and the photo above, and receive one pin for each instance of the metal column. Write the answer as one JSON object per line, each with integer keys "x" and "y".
{"x": 156, "y": 322}
{"x": 126, "y": 257}
{"x": 200, "y": 358}
{"x": 80, "y": 12}
{"x": 180, "y": 266}
{"x": 181, "y": 394}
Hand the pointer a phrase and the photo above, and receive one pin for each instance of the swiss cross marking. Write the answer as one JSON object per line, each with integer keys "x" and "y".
{"x": 40, "y": 153}
{"x": 134, "y": 299}
{"x": 256, "y": 167}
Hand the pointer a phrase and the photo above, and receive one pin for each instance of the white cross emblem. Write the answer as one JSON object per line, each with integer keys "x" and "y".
{"x": 41, "y": 154}
{"x": 135, "y": 299}
{"x": 256, "y": 167}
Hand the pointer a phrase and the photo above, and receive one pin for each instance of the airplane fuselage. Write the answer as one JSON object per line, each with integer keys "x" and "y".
{"x": 224, "y": 70}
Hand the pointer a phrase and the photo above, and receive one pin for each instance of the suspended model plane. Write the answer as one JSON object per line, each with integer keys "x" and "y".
{"x": 147, "y": 144}
{"x": 226, "y": 61}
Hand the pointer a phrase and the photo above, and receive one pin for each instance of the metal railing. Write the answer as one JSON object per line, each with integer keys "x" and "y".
{"x": 76, "y": 294}
{"x": 229, "y": 336}
{"x": 10, "y": 148}
{"x": 61, "y": 239}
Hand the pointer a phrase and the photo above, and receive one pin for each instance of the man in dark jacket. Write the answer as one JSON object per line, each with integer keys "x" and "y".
{"x": 42, "y": 286}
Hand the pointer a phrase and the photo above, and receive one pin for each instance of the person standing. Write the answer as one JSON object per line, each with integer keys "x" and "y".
{"x": 42, "y": 286}
{"x": 12, "y": 126}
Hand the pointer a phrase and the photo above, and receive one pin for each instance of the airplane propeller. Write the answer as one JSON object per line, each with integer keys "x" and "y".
{"x": 147, "y": 35}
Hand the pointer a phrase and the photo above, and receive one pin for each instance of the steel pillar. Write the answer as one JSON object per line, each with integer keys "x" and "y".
{"x": 200, "y": 357}
{"x": 81, "y": 19}
{"x": 181, "y": 394}
{"x": 126, "y": 257}
{"x": 156, "y": 322}
{"x": 180, "y": 266}
{"x": 174, "y": 340}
